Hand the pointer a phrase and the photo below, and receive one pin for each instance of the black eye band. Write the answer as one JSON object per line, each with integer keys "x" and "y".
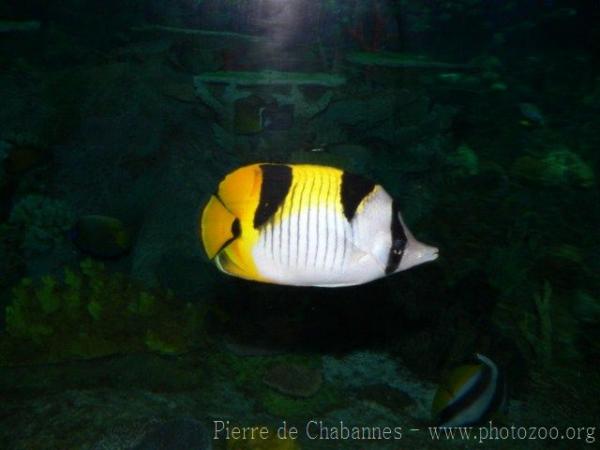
{"x": 398, "y": 241}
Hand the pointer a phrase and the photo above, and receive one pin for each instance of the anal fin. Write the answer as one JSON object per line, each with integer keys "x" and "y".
{"x": 230, "y": 262}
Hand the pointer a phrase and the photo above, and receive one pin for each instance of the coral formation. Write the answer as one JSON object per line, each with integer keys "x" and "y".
{"x": 90, "y": 312}
{"x": 247, "y": 374}
{"x": 559, "y": 167}
{"x": 537, "y": 329}
{"x": 544, "y": 329}
{"x": 401, "y": 61}
{"x": 11, "y": 259}
{"x": 238, "y": 85}
{"x": 464, "y": 161}
{"x": 41, "y": 221}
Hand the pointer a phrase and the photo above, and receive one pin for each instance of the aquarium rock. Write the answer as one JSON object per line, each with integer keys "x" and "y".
{"x": 198, "y": 32}
{"x": 177, "y": 434}
{"x": 271, "y": 78}
{"x": 293, "y": 379}
{"x": 362, "y": 113}
{"x": 351, "y": 157}
{"x": 239, "y": 85}
{"x": 558, "y": 167}
{"x": 402, "y": 61}
{"x": 361, "y": 369}
{"x": 164, "y": 232}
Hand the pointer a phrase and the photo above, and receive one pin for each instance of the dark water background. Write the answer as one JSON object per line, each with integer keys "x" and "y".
{"x": 481, "y": 117}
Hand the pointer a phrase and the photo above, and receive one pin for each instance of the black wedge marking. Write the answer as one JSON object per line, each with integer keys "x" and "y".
{"x": 354, "y": 189}
{"x": 276, "y": 182}
{"x": 236, "y": 231}
{"x": 398, "y": 241}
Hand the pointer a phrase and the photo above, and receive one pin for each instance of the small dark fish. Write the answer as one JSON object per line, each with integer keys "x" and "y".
{"x": 101, "y": 236}
{"x": 12, "y": 26}
{"x": 23, "y": 158}
{"x": 277, "y": 118}
{"x": 532, "y": 113}
{"x": 247, "y": 115}
{"x": 470, "y": 395}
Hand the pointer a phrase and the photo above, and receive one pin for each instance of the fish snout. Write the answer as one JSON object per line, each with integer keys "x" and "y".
{"x": 417, "y": 253}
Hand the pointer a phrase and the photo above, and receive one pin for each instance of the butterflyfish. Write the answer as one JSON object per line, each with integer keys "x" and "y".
{"x": 101, "y": 236}
{"x": 307, "y": 225}
{"x": 470, "y": 394}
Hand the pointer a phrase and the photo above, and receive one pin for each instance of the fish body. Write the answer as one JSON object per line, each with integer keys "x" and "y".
{"x": 12, "y": 26}
{"x": 247, "y": 115}
{"x": 277, "y": 118}
{"x": 307, "y": 225}
{"x": 471, "y": 394}
{"x": 532, "y": 113}
{"x": 101, "y": 236}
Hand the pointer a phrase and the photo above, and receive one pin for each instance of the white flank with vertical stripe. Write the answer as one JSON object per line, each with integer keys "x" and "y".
{"x": 317, "y": 246}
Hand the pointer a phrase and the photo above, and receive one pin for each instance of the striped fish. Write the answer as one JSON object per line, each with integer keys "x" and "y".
{"x": 470, "y": 395}
{"x": 306, "y": 225}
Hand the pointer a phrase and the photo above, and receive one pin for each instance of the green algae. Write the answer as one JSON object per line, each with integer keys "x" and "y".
{"x": 90, "y": 312}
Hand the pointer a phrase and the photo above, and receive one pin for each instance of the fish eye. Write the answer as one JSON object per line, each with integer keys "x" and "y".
{"x": 397, "y": 246}
{"x": 235, "y": 228}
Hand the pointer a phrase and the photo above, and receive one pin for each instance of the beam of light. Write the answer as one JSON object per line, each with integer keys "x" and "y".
{"x": 281, "y": 21}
